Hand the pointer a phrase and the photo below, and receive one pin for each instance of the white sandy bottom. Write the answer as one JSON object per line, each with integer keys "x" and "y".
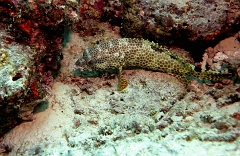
{"x": 54, "y": 132}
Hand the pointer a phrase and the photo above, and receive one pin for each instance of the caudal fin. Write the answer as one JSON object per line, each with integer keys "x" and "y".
{"x": 213, "y": 77}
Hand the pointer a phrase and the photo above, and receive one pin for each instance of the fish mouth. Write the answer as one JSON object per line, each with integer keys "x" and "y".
{"x": 79, "y": 64}
{"x": 82, "y": 68}
{"x": 78, "y": 68}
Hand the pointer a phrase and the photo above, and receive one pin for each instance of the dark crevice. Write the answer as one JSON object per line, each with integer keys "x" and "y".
{"x": 197, "y": 48}
{"x": 17, "y": 76}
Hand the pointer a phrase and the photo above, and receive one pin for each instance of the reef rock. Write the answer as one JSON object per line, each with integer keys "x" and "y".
{"x": 31, "y": 35}
{"x": 20, "y": 87}
{"x": 225, "y": 54}
{"x": 171, "y": 20}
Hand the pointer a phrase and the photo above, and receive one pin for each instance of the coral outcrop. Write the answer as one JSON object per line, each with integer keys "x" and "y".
{"x": 31, "y": 34}
{"x": 170, "y": 20}
{"x": 225, "y": 55}
{"x": 20, "y": 88}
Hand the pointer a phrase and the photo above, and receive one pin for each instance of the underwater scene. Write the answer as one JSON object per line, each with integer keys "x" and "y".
{"x": 119, "y": 77}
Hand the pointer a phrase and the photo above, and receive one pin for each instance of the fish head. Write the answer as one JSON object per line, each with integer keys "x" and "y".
{"x": 86, "y": 63}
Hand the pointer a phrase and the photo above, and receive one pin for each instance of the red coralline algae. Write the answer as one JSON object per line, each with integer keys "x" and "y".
{"x": 236, "y": 115}
{"x": 99, "y": 5}
{"x": 212, "y": 36}
{"x": 47, "y": 79}
{"x": 92, "y": 9}
{"x": 26, "y": 27}
{"x": 113, "y": 12}
{"x": 34, "y": 90}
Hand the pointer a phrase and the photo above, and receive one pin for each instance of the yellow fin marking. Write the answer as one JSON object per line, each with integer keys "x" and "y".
{"x": 122, "y": 85}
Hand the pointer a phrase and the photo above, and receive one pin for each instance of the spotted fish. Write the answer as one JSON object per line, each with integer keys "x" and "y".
{"x": 140, "y": 53}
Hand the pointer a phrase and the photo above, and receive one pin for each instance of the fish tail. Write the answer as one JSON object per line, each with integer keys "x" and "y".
{"x": 213, "y": 77}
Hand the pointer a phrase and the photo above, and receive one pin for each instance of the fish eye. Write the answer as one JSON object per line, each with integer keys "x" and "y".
{"x": 90, "y": 62}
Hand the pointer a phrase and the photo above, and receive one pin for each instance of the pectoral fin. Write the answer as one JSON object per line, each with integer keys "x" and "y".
{"x": 122, "y": 83}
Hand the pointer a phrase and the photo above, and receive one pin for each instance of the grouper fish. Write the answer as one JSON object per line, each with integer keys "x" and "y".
{"x": 140, "y": 53}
